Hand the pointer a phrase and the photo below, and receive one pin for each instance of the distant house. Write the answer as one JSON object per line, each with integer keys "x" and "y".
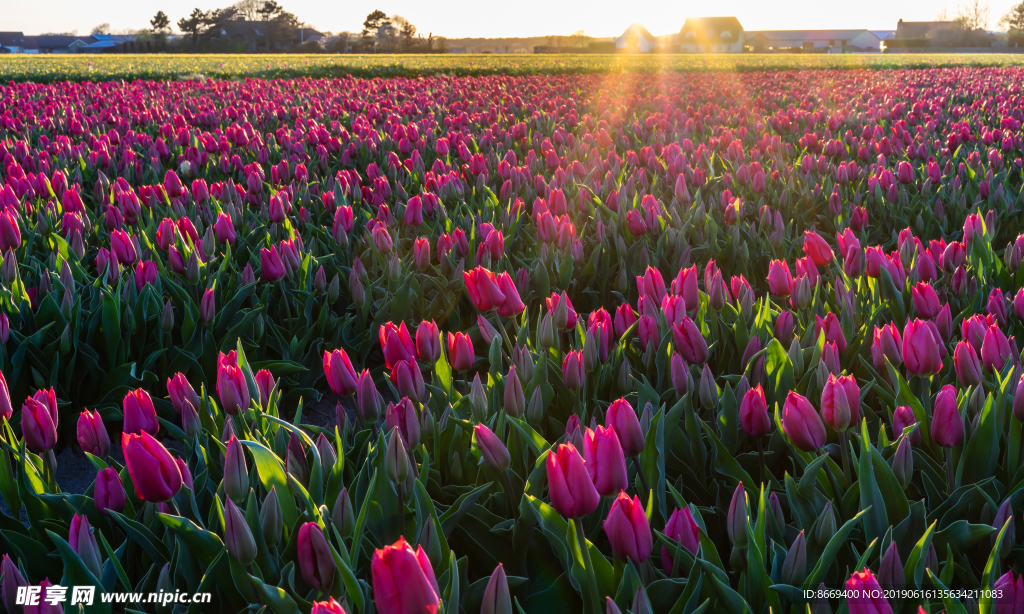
{"x": 925, "y": 29}
{"x": 834, "y": 41}
{"x": 62, "y": 43}
{"x": 106, "y": 43}
{"x": 17, "y": 42}
{"x": 711, "y": 35}
{"x": 636, "y": 39}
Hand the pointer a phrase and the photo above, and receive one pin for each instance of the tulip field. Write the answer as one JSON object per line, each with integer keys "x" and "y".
{"x": 100, "y": 67}
{"x": 608, "y": 342}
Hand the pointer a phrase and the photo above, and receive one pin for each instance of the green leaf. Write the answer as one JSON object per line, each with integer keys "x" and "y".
{"x": 272, "y": 475}
{"x": 828, "y": 555}
{"x": 779, "y": 369}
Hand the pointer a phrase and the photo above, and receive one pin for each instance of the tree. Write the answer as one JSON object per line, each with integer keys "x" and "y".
{"x": 160, "y": 22}
{"x": 579, "y": 38}
{"x": 193, "y": 25}
{"x": 406, "y": 32}
{"x": 975, "y": 15}
{"x": 247, "y": 9}
{"x": 103, "y": 28}
{"x": 1013, "y": 21}
{"x": 375, "y": 21}
{"x": 270, "y": 10}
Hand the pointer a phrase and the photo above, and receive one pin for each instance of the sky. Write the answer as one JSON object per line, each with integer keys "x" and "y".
{"x": 523, "y": 18}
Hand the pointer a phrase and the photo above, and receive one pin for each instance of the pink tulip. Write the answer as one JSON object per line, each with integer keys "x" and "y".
{"x": 801, "y": 423}
{"x": 683, "y": 528}
{"x": 903, "y": 417}
{"x": 754, "y": 413}
{"x": 108, "y": 492}
{"x": 690, "y": 342}
{"x": 181, "y": 391}
{"x": 866, "y": 595}
{"x": 153, "y": 470}
{"x": 483, "y": 290}
{"x": 569, "y": 485}
{"x": 780, "y": 280}
{"x": 606, "y": 463}
{"x": 232, "y": 388}
{"x": 886, "y": 343}
{"x": 403, "y": 580}
{"x": 621, "y": 417}
{"x": 396, "y": 344}
{"x": 573, "y": 373}
{"x": 314, "y": 556}
{"x": 967, "y": 365}
{"x": 817, "y": 249}
{"x": 628, "y": 529}
{"x": 460, "y": 351}
{"x": 92, "y": 434}
{"x": 947, "y": 425}
{"x": 428, "y": 342}
{"x": 39, "y": 420}
{"x": 272, "y": 265}
{"x": 926, "y": 302}
{"x": 921, "y": 349}
{"x": 995, "y": 349}
{"x": 341, "y": 376}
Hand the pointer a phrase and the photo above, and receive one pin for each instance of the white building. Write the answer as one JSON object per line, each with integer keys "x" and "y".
{"x": 711, "y": 35}
{"x": 636, "y": 39}
{"x": 835, "y": 41}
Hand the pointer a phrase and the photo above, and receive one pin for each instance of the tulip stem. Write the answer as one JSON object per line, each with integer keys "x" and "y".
{"x": 760, "y": 458}
{"x": 950, "y": 472}
{"x": 505, "y": 337}
{"x": 844, "y": 449}
{"x": 591, "y": 578}
{"x": 643, "y": 476}
{"x": 401, "y": 506}
{"x": 832, "y": 482}
{"x": 507, "y": 483}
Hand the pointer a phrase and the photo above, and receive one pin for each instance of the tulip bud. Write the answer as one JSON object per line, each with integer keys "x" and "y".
{"x": 167, "y": 318}
{"x": 207, "y": 307}
{"x": 1004, "y": 514}
{"x": 590, "y": 354}
{"x": 736, "y": 521}
{"x": 192, "y": 269}
{"x": 496, "y": 597}
{"x": 1018, "y": 400}
{"x": 478, "y": 399}
{"x": 108, "y": 493}
{"x": 12, "y": 581}
{"x": 610, "y": 607}
{"x": 236, "y": 472}
{"x": 903, "y": 462}
{"x": 493, "y": 451}
{"x": 237, "y": 536}
{"x": 83, "y": 542}
{"x": 645, "y": 418}
{"x": 396, "y": 463}
{"x": 546, "y": 333}
{"x": 890, "y": 570}
{"x": 514, "y": 398}
{"x": 826, "y": 525}
{"x": 794, "y": 570}
{"x": 190, "y": 422}
{"x": 535, "y": 410}
{"x": 343, "y": 516}
{"x": 625, "y": 378}
{"x": 271, "y": 520}
{"x": 429, "y": 541}
{"x": 9, "y": 268}
{"x": 708, "y": 390}
{"x": 680, "y": 374}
